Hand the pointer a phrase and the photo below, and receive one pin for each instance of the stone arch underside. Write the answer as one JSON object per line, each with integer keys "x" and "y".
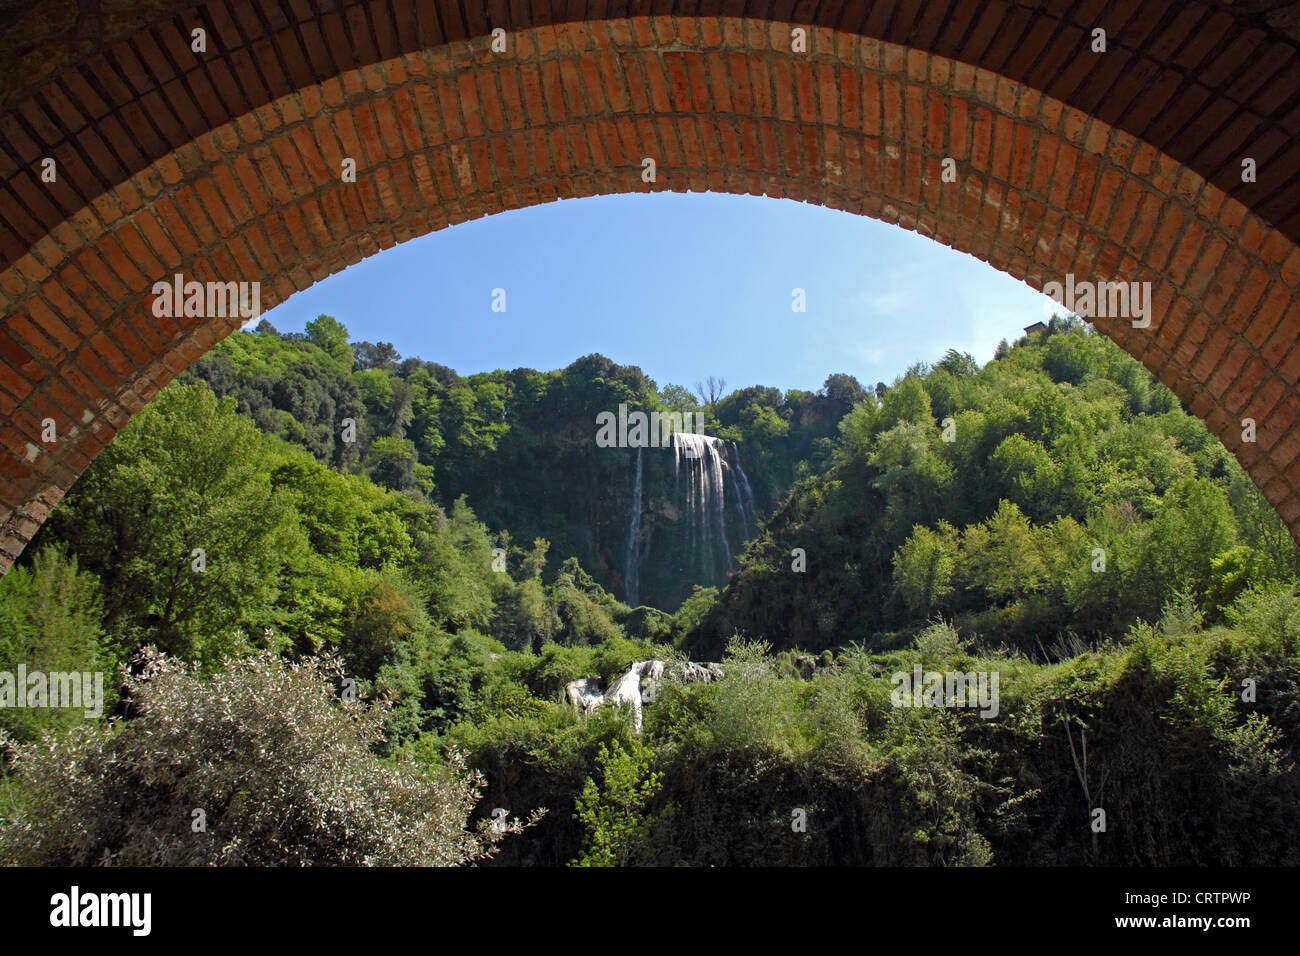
{"x": 220, "y": 188}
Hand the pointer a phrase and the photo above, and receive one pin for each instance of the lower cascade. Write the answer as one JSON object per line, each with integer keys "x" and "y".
{"x": 637, "y": 686}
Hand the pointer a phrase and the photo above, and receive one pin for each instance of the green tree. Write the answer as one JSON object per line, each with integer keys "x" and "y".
{"x": 908, "y": 402}
{"x": 1028, "y": 476}
{"x": 619, "y": 832}
{"x": 912, "y": 478}
{"x": 381, "y": 614}
{"x": 178, "y": 519}
{"x": 678, "y": 398}
{"x": 1194, "y": 525}
{"x": 1232, "y": 573}
{"x": 924, "y": 567}
{"x": 844, "y": 390}
{"x": 50, "y": 621}
{"x": 1002, "y": 556}
{"x": 1259, "y": 524}
{"x": 393, "y": 462}
{"x": 331, "y": 336}
{"x": 958, "y": 364}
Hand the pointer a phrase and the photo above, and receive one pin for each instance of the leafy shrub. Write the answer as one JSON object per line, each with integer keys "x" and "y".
{"x": 50, "y": 621}
{"x": 261, "y": 765}
{"x": 613, "y": 811}
{"x": 938, "y": 642}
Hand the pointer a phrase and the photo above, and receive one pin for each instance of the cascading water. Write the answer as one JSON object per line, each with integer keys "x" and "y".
{"x": 632, "y": 576}
{"x": 706, "y": 462}
{"x": 714, "y": 504}
{"x": 745, "y": 502}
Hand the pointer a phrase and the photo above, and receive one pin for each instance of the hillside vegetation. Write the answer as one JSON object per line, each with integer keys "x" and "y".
{"x": 1053, "y": 517}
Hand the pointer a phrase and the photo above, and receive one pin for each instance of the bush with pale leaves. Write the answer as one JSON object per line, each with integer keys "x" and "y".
{"x": 280, "y": 768}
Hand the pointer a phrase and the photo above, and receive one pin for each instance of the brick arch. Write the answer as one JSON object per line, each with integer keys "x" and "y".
{"x": 447, "y": 132}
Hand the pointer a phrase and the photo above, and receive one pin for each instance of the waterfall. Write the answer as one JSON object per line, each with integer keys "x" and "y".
{"x": 716, "y": 506}
{"x": 632, "y": 577}
{"x": 745, "y": 502}
{"x": 703, "y": 459}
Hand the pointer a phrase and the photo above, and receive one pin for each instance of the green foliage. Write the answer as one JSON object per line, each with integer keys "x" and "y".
{"x": 517, "y": 445}
{"x": 924, "y": 567}
{"x": 279, "y": 772}
{"x": 1232, "y": 572}
{"x": 331, "y": 336}
{"x": 1075, "y": 504}
{"x": 899, "y": 786}
{"x": 613, "y": 810}
{"x": 938, "y": 643}
{"x": 381, "y": 614}
{"x": 50, "y": 622}
{"x": 392, "y": 463}
{"x": 693, "y": 610}
{"x": 585, "y": 613}
{"x": 1071, "y": 497}
{"x": 677, "y": 398}
{"x": 907, "y": 402}
{"x": 1268, "y": 610}
{"x": 1001, "y": 555}
{"x": 188, "y": 475}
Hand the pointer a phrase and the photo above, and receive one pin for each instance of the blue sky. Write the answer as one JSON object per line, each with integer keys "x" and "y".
{"x": 685, "y": 286}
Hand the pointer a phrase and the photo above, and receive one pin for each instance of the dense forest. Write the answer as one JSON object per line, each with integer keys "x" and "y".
{"x": 342, "y": 585}
{"x": 519, "y": 445}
